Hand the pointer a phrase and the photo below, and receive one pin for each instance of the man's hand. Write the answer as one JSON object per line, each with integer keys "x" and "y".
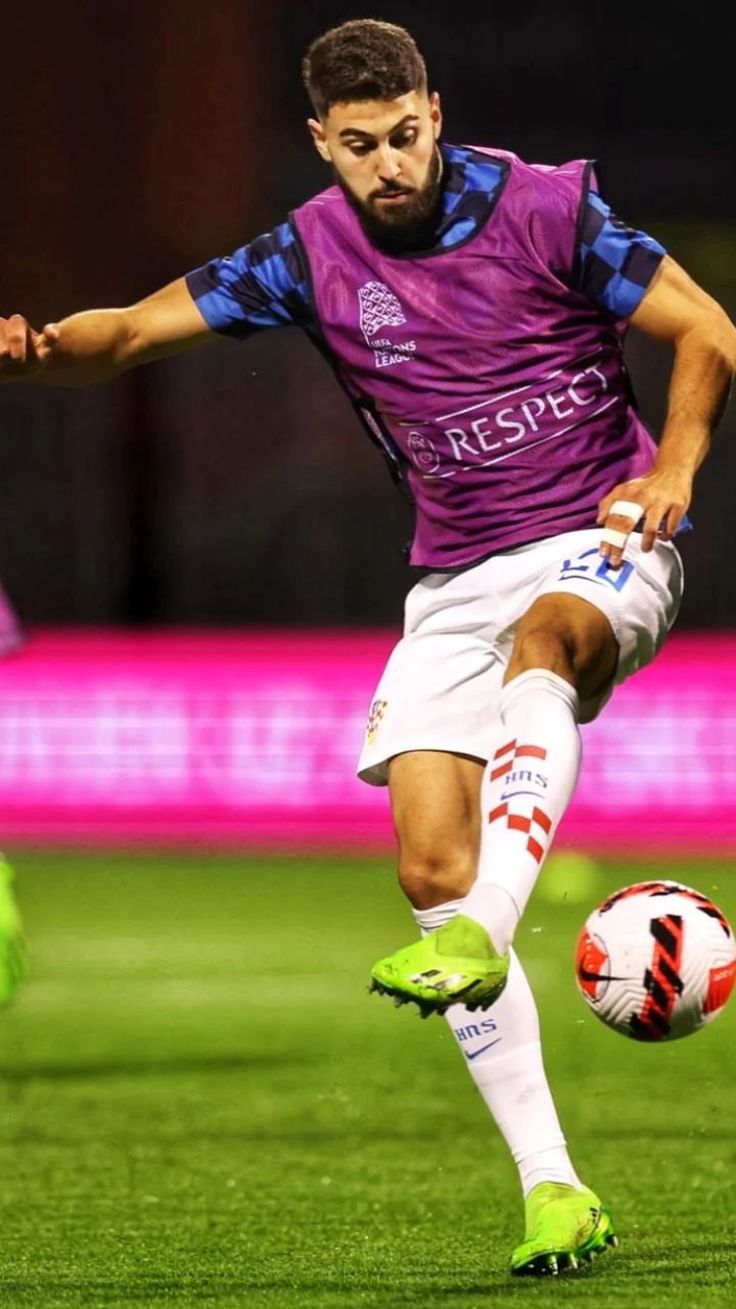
{"x": 24, "y": 352}
{"x": 98, "y": 344}
{"x": 676, "y": 310}
{"x": 662, "y": 498}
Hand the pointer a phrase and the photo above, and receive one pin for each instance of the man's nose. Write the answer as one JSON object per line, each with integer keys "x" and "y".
{"x": 389, "y": 164}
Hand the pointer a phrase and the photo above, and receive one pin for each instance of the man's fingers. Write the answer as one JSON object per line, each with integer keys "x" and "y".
{"x": 45, "y": 341}
{"x": 661, "y": 522}
{"x": 20, "y": 345}
{"x": 604, "y": 509}
{"x": 14, "y": 340}
{"x": 620, "y": 520}
{"x": 613, "y": 554}
{"x": 629, "y": 509}
{"x": 614, "y": 536}
{"x": 634, "y": 505}
{"x": 650, "y": 530}
{"x": 622, "y": 500}
{"x": 672, "y": 521}
{"x": 24, "y": 351}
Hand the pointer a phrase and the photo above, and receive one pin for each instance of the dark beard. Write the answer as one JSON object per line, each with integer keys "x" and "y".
{"x": 412, "y": 227}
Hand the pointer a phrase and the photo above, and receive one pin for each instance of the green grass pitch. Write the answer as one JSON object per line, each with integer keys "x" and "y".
{"x": 201, "y": 1105}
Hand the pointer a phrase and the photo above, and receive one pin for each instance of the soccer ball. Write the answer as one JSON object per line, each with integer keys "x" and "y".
{"x": 656, "y": 961}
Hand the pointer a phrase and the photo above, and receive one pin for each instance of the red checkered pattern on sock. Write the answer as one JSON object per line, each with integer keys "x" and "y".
{"x": 510, "y": 752}
{"x": 521, "y": 823}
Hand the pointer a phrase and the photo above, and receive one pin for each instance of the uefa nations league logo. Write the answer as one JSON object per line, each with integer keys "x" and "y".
{"x": 380, "y": 309}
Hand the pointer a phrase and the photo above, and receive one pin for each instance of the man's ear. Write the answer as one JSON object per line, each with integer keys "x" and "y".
{"x": 435, "y": 113}
{"x": 317, "y": 133}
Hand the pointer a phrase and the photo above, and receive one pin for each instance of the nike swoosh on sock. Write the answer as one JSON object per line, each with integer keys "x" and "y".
{"x": 470, "y": 1056}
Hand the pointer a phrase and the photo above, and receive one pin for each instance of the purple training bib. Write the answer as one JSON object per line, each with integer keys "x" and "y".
{"x": 501, "y": 387}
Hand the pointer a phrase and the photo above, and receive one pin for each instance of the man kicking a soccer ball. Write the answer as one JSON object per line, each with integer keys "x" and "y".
{"x": 474, "y": 307}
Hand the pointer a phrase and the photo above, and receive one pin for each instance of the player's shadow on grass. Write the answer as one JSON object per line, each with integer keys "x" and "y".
{"x": 102, "y": 1068}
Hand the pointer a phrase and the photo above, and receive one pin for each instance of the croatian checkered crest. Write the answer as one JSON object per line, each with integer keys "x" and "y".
{"x": 378, "y": 308}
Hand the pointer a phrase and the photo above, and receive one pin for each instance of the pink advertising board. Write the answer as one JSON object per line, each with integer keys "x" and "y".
{"x": 249, "y": 739}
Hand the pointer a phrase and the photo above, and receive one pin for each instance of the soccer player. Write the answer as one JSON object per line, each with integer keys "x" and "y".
{"x": 473, "y": 306}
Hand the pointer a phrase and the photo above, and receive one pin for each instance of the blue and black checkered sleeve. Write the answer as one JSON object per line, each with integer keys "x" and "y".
{"x": 261, "y": 285}
{"x": 616, "y": 262}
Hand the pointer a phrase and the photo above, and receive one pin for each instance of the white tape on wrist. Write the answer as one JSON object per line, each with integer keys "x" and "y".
{"x": 610, "y": 537}
{"x": 627, "y": 509}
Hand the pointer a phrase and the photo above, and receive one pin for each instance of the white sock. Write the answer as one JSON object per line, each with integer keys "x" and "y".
{"x": 502, "y": 1049}
{"x": 526, "y": 789}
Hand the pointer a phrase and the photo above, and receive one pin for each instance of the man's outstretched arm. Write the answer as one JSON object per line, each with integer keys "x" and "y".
{"x": 98, "y": 344}
{"x": 676, "y": 310}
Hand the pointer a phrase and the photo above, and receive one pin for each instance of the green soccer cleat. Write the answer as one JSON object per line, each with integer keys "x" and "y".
{"x": 565, "y": 1228}
{"x": 12, "y": 944}
{"x": 457, "y": 964}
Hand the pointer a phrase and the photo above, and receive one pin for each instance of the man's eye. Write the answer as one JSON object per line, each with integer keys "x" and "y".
{"x": 404, "y": 139}
{"x": 359, "y": 149}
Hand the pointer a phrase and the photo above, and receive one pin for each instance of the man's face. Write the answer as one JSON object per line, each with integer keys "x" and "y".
{"x": 385, "y": 157}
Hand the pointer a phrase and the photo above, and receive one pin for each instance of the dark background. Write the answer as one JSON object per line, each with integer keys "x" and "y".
{"x": 233, "y": 485}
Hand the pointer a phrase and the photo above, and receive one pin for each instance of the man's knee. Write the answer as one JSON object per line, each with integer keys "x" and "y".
{"x": 540, "y": 646}
{"x": 569, "y": 637}
{"x": 429, "y": 878}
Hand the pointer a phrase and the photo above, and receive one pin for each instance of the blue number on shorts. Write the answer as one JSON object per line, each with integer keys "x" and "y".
{"x": 616, "y": 577}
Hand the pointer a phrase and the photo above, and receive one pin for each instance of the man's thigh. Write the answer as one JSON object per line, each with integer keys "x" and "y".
{"x": 568, "y": 636}
{"x": 639, "y": 601}
{"x": 440, "y": 688}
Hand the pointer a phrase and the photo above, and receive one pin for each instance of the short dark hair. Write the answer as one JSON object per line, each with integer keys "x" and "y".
{"x": 362, "y": 60}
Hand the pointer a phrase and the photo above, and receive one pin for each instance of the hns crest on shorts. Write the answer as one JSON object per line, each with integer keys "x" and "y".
{"x": 377, "y": 710}
{"x": 380, "y": 310}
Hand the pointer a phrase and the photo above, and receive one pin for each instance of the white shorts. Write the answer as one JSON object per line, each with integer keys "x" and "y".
{"x": 440, "y": 687}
